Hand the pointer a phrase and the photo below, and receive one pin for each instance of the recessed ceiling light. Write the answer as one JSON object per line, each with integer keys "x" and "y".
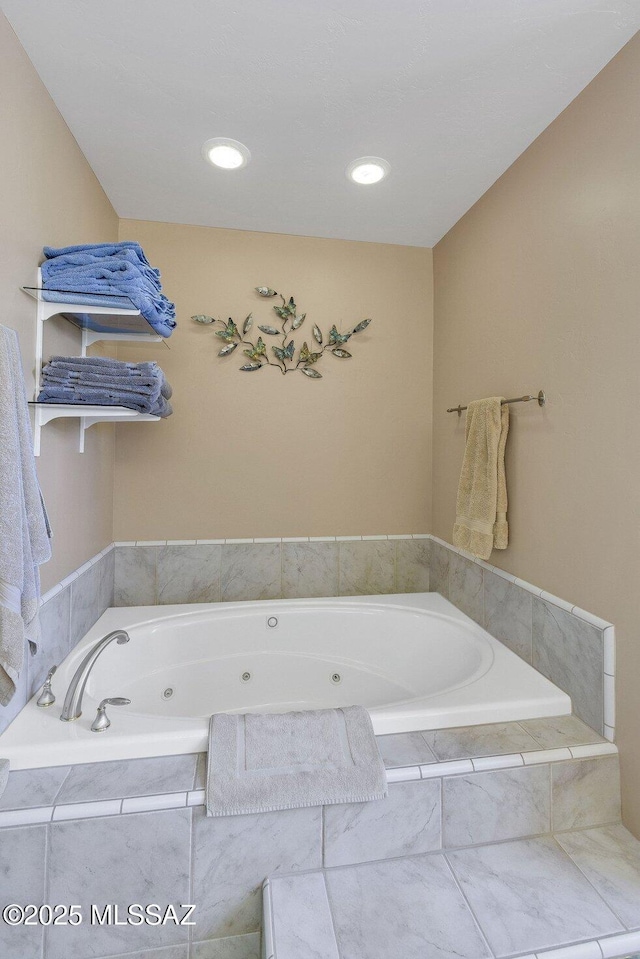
{"x": 225, "y": 153}
{"x": 368, "y": 170}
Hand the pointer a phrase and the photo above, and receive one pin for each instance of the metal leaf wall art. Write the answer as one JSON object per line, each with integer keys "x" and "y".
{"x": 287, "y": 356}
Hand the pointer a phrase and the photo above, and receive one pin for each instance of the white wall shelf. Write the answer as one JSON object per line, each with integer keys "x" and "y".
{"x": 110, "y": 322}
{"x": 88, "y": 415}
{"x": 96, "y": 323}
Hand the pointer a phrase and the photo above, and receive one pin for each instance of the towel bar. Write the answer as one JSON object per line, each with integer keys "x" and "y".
{"x": 541, "y": 398}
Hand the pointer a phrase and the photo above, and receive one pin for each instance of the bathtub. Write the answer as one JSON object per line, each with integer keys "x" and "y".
{"x": 414, "y": 660}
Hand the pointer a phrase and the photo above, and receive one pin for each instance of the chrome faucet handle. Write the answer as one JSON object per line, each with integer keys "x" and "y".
{"x": 46, "y": 697}
{"x": 102, "y": 721}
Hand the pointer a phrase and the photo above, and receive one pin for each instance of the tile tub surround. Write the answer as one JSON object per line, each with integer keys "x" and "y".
{"x": 573, "y": 648}
{"x": 116, "y": 823}
{"x": 582, "y": 767}
{"x": 572, "y": 896}
{"x": 230, "y": 570}
{"x": 66, "y": 613}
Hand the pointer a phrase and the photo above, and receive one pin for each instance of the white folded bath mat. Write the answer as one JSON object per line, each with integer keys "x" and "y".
{"x": 260, "y": 762}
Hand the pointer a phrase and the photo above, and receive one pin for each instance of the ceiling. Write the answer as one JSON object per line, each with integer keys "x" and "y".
{"x": 450, "y": 92}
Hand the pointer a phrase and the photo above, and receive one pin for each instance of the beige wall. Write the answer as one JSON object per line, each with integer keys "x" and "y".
{"x": 261, "y": 454}
{"x": 538, "y": 286}
{"x": 49, "y": 195}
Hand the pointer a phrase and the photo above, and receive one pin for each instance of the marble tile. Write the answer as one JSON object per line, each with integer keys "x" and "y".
{"x": 367, "y": 568}
{"x": 22, "y": 867}
{"x": 250, "y": 571}
{"x": 557, "y": 731}
{"x": 610, "y": 859}
{"x": 491, "y": 806}
{"x": 405, "y": 823}
{"x": 233, "y": 947}
{"x": 302, "y": 923}
{"x": 128, "y": 777}
{"x": 109, "y": 578}
{"x": 465, "y": 587}
{"x": 123, "y": 859}
{"x": 440, "y": 562}
{"x": 528, "y": 895}
{"x": 86, "y": 605}
{"x": 188, "y": 574}
{"x": 404, "y": 749}
{"x": 28, "y": 788}
{"x": 234, "y": 854}
{"x": 508, "y": 613}
{"x": 55, "y": 638}
{"x": 309, "y": 569}
{"x": 570, "y": 653}
{"x": 135, "y": 573}
{"x": 585, "y": 792}
{"x": 405, "y": 907}
{"x": 470, "y": 742}
{"x": 201, "y": 772}
{"x": 412, "y": 565}
{"x": 171, "y": 952}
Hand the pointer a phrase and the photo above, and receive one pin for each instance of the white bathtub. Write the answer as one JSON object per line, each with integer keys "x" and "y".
{"x": 415, "y": 661}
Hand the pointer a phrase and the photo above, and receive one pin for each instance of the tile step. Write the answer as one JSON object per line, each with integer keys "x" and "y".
{"x": 572, "y": 895}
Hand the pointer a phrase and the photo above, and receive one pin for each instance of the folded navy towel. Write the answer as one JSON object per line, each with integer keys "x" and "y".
{"x": 96, "y": 396}
{"x": 108, "y": 363}
{"x": 98, "y": 371}
{"x": 152, "y": 389}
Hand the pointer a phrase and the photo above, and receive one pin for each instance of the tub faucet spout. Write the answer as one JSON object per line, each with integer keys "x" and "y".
{"x": 72, "y": 708}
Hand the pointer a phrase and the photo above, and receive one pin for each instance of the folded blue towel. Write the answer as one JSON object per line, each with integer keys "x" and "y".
{"x": 159, "y": 312}
{"x": 112, "y": 269}
{"x": 151, "y": 389}
{"x": 73, "y": 261}
{"x": 101, "y": 271}
{"x": 97, "y": 249}
{"x": 146, "y": 378}
{"x": 123, "y": 367}
{"x": 96, "y": 396}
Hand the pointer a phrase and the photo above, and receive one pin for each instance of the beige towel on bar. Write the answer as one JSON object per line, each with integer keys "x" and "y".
{"x": 481, "y": 509}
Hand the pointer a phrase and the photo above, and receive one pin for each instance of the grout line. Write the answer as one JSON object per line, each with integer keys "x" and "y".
{"x": 468, "y": 904}
{"x": 191, "y": 931}
{"x": 53, "y": 801}
{"x": 551, "y": 812}
{"x": 323, "y": 837}
{"x": 331, "y": 911}
{"x": 46, "y": 878}
{"x": 581, "y": 870}
{"x": 281, "y": 569}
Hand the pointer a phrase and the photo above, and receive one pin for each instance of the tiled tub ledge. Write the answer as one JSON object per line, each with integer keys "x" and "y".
{"x": 54, "y": 794}
{"x": 572, "y": 896}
